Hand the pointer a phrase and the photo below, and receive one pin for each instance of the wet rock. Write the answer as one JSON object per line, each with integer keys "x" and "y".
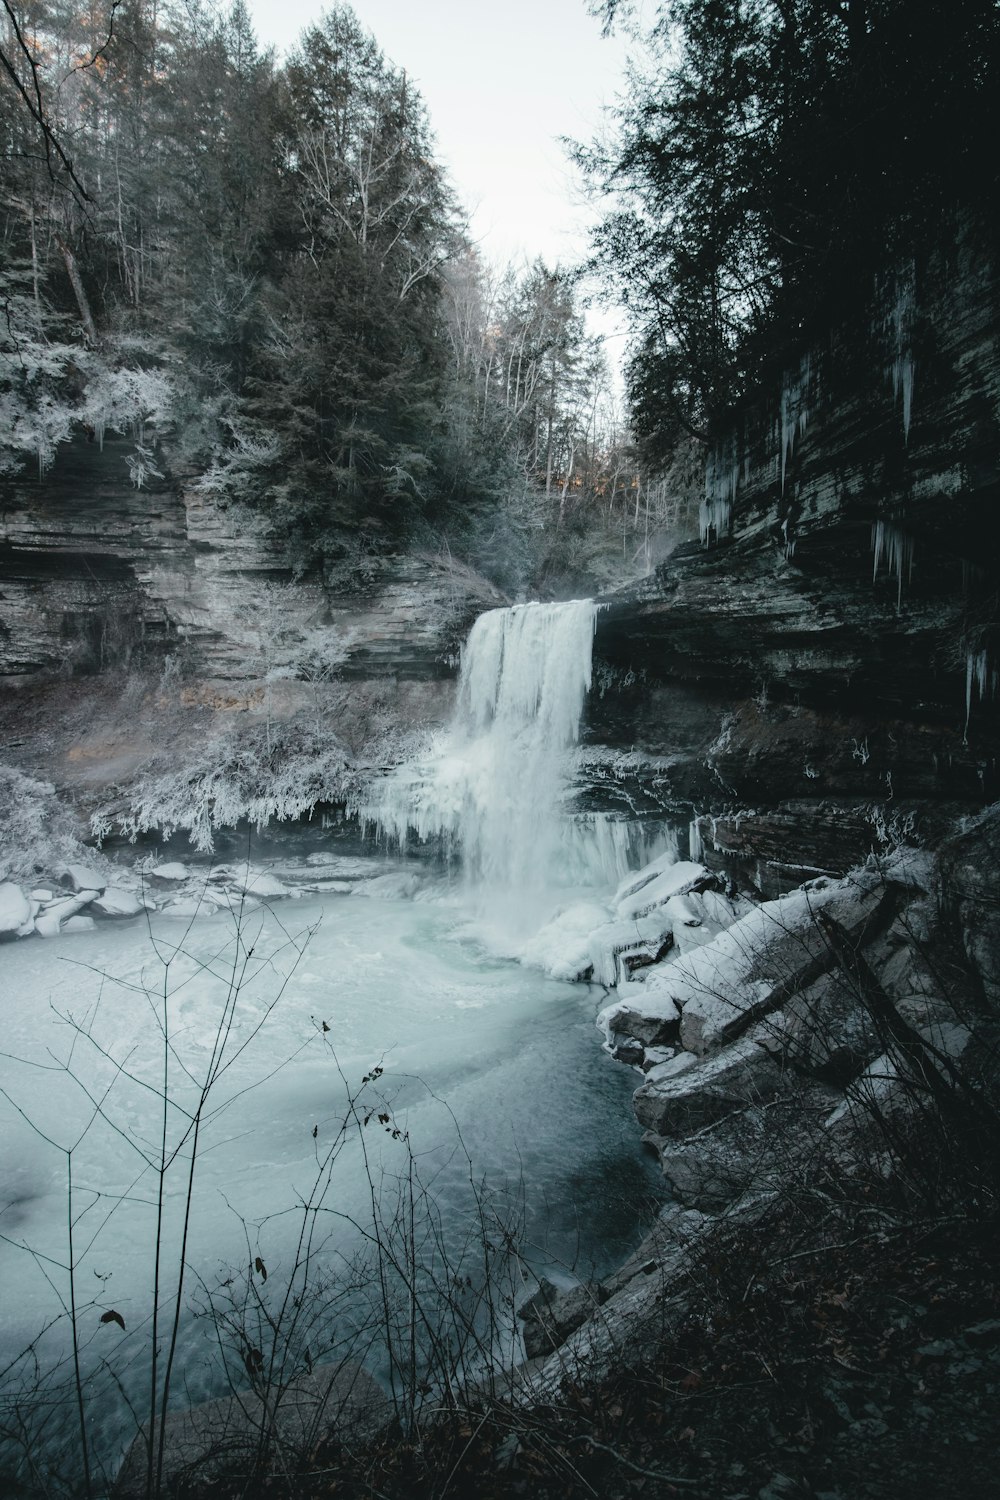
{"x": 678, "y": 1099}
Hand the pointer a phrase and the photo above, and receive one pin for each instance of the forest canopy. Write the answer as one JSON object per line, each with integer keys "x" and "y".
{"x": 768, "y": 159}
{"x": 259, "y": 274}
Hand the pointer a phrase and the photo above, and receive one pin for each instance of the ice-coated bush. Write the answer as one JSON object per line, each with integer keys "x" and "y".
{"x": 37, "y": 831}
{"x": 246, "y": 773}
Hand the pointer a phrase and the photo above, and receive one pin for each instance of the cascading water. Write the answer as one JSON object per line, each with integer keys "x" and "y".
{"x": 495, "y": 785}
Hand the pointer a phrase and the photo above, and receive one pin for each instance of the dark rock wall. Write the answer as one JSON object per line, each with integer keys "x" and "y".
{"x": 782, "y": 661}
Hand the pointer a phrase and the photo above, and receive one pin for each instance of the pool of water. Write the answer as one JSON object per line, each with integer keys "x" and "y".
{"x": 490, "y": 1075}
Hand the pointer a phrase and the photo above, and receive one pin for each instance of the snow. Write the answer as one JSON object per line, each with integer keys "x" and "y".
{"x": 84, "y": 878}
{"x": 173, "y": 870}
{"x": 50, "y": 919}
{"x": 675, "y": 879}
{"x": 562, "y": 946}
{"x": 718, "y": 981}
{"x": 261, "y": 883}
{"x": 118, "y": 903}
{"x": 15, "y": 910}
{"x": 631, "y": 935}
{"x": 395, "y": 887}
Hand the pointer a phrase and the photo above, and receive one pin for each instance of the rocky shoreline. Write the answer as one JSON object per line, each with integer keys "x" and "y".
{"x": 828, "y": 1032}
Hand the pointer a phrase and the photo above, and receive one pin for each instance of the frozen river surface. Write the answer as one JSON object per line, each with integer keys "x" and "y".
{"x": 485, "y": 1061}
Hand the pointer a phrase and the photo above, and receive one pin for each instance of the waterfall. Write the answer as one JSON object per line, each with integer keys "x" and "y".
{"x": 496, "y": 785}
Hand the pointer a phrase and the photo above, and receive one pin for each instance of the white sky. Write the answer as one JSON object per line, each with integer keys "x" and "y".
{"x": 502, "y": 82}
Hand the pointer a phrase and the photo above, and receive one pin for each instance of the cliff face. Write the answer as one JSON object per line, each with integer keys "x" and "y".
{"x": 833, "y": 642}
{"x": 93, "y": 571}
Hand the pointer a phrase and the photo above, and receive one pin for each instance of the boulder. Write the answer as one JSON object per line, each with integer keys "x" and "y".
{"x": 778, "y": 949}
{"x": 679, "y": 1098}
{"x": 825, "y": 1031}
{"x": 117, "y": 903}
{"x": 15, "y": 911}
{"x": 83, "y": 878}
{"x": 652, "y": 1025}
{"x": 170, "y": 873}
{"x": 79, "y": 924}
{"x": 260, "y": 883}
{"x": 50, "y": 919}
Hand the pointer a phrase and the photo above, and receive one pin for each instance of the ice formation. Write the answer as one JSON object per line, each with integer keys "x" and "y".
{"x": 892, "y": 546}
{"x": 902, "y": 331}
{"x": 795, "y": 392}
{"x": 984, "y": 676}
{"x": 722, "y": 477}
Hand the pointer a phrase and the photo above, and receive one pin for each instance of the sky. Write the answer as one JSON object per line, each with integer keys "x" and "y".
{"x": 503, "y": 80}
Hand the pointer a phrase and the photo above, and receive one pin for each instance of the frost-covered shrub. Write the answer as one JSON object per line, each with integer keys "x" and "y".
{"x": 37, "y": 831}
{"x": 246, "y": 773}
{"x": 48, "y": 386}
{"x": 241, "y": 468}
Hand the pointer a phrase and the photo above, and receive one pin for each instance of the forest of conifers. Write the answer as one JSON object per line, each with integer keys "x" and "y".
{"x": 262, "y": 266}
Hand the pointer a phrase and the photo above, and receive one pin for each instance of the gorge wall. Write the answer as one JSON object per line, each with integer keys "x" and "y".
{"x": 819, "y": 671}
{"x": 825, "y": 661}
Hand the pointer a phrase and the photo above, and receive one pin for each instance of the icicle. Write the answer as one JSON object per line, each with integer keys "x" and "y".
{"x": 786, "y": 532}
{"x": 902, "y": 333}
{"x": 981, "y": 676}
{"x": 696, "y": 848}
{"x": 794, "y": 411}
{"x": 722, "y": 477}
{"x": 892, "y": 544}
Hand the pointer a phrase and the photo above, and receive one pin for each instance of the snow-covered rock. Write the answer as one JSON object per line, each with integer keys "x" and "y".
{"x": 645, "y": 891}
{"x": 15, "y": 911}
{"x": 171, "y": 872}
{"x": 562, "y": 946}
{"x": 678, "y": 1099}
{"x": 50, "y": 919}
{"x": 651, "y": 1025}
{"x": 187, "y": 907}
{"x": 752, "y": 966}
{"x": 42, "y": 894}
{"x": 79, "y": 924}
{"x": 631, "y": 937}
{"x": 83, "y": 878}
{"x": 117, "y": 903}
{"x": 261, "y": 883}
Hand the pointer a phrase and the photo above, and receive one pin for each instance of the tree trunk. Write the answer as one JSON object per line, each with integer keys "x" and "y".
{"x": 79, "y": 291}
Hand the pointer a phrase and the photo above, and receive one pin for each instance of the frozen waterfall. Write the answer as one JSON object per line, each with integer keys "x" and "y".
{"x": 495, "y": 785}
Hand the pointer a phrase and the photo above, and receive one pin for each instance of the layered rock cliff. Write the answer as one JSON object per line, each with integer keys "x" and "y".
{"x": 828, "y": 654}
